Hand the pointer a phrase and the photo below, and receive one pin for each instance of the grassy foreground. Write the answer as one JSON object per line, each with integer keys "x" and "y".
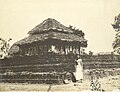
{"x": 107, "y": 83}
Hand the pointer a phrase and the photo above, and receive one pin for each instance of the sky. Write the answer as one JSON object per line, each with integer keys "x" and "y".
{"x": 94, "y": 17}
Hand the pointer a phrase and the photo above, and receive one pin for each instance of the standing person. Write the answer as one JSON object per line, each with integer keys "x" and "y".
{"x": 79, "y": 70}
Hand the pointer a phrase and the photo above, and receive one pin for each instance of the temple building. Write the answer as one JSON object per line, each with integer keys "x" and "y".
{"x": 50, "y": 36}
{"x": 47, "y": 55}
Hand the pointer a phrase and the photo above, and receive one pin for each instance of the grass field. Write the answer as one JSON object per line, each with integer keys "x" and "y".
{"x": 108, "y": 84}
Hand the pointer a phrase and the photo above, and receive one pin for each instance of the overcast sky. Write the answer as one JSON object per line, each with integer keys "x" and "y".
{"x": 94, "y": 17}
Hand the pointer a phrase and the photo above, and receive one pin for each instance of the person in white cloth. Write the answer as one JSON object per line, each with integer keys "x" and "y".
{"x": 79, "y": 70}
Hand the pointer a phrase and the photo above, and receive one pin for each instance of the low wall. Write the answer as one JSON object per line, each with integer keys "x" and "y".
{"x": 51, "y": 68}
{"x": 101, "y": 61}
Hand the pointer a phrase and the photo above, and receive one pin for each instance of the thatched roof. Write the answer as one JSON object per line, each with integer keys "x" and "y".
{"x": 14, "y": 49}
{"x": 51, "y": 35}
{"x": 49, "y": 24}
{"x": 51, "y": 28}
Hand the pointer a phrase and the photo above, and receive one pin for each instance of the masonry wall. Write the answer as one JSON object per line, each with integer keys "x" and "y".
{"x": 50, "y": 68}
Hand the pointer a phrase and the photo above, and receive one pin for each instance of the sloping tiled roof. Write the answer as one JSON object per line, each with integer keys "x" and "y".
{"x": 49, "y": 24}
{"x": 51, "y": 29}
{"x": 52, "y": 35}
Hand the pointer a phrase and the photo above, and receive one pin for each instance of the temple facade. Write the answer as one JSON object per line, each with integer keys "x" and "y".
{"x": 50, "y": 36}
{"x": 47, "y": 55}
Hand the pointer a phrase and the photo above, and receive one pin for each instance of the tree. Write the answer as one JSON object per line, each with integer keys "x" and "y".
{"x": 116, "y": 42}
{"x": 4, "y": 47}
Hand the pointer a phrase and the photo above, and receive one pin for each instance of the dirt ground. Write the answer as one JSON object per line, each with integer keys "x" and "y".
{"x": 108, "y": 84}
